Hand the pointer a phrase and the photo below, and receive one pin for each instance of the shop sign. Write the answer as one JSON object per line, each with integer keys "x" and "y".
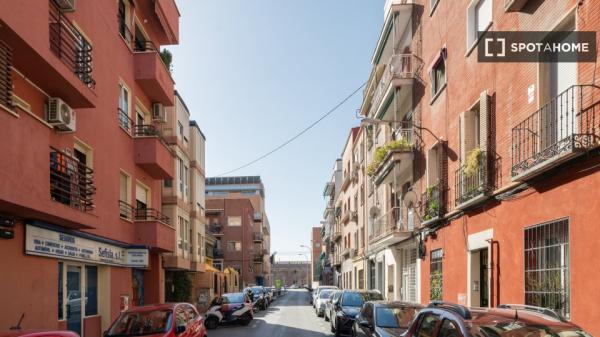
{"x": 46, "y": 242}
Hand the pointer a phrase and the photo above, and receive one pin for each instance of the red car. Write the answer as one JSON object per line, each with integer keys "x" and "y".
{"x": 164, "y": 320}
{"x": 38, "y": 333}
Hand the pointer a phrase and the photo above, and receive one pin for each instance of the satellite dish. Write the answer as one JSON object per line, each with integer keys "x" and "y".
{"x": 374, "y": 211}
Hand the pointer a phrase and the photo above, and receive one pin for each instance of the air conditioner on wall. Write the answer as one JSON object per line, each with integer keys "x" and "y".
{"x": 60, "y": 115}
{"x": 66, "y": 5}
{"x": 158, "y": 113}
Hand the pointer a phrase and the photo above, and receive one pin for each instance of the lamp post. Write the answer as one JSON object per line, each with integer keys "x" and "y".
{"x": 310, "y": 264}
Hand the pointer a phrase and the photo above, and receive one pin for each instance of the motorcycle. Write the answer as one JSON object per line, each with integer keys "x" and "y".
{"x": 229, "y": 310}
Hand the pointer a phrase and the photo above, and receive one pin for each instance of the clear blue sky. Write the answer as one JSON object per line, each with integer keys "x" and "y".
{"x": 255, "y": 72}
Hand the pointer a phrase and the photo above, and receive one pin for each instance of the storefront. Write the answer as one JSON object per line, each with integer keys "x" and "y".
{"x": 96, "y": 277}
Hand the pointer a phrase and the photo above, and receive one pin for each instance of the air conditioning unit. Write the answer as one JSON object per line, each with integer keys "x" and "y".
{"x": 158, "y": 113}
{"x": 60, "y": 115}
{"x": 66, "y": 5}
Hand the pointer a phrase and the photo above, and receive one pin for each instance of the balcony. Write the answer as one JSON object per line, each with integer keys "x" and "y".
{"x": 153, "y": 229}
{"x": 353, "y": 253}
{"x": 168, "y": 16}
{"x": 514, "y": 5}
{"x": 432, "y": 203}
{"x": 218, "y": 253}
{"x": 126, "y": 211}
{"x": 329, "y": 189}
{"x": 70, "y": 46}
{"x": 565, "y": 127}
{"x": 257, "y": 258}
{"x": 400, "y": 73}
{"x": 258, "y": 237}
{"x": 346, "y": 181}
{"x": 71, "y": 182}
{"x": 389, "y": 229}
{"x": 472, "y": 181}
{"x": 214, "y": 229}
{"x": 153, "y": 76}
{"x": 395, "y": 157}
{"x": 337, "y": 235}
{"x": 151, "y": 152}
{"x": 345, "y": 252}
{"x": 257, "y": 217}
{"x": 345, "y": 217}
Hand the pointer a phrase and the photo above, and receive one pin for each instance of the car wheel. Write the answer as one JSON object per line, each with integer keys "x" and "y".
{"x": 326, "y": 317}
{"x": 211, "y": 322}
{"x": 246, "y": 320}
{"x": 332, "y": 328}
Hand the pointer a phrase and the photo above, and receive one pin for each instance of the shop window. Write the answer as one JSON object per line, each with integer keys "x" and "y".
{"x": 60, "y": 291}
{"x": 547, "y": 266}
{"x": 435, "y": 275}
{"x": 91, "y": 290}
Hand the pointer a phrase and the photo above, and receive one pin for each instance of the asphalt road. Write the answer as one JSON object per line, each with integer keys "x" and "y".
{"x": 289, "y": 316}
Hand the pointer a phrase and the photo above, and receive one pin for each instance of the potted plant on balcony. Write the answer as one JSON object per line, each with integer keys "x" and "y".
{"x": 382, "y": 151}
{"x": 473, "y": 163}
{"x": 432, "y": 205}
{"x": 167, "y": 58}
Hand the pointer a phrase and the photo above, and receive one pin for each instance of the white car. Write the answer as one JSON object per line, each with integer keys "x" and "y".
{"x": 316, "y": 291}
{"x": 321, "y": 301}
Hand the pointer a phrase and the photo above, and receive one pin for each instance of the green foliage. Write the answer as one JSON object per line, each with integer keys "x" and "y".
{"x": 433, "y": 204}
{"x": 167, "y": 59}
{"x": 473, "y": 162}
{"x": 382, "y": 151}
{"x": 435, "y": 286}
{"x": 181, "y": 287}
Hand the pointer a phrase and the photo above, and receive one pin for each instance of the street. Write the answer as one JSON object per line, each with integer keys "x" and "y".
{"x": 289, "y": 316}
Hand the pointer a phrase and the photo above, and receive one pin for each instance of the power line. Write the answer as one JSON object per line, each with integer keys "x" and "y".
{"x": 282, "y": 145}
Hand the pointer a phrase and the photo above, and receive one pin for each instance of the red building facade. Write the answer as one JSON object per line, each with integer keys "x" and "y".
{"x": 82, "y": 92}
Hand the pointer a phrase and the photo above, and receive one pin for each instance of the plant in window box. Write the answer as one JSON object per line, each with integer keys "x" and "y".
{"x": 435, "y": 286}
{"x": 382, "y": 151}
{"x": 432, "y": 204}
{"x": 473, "y": 163}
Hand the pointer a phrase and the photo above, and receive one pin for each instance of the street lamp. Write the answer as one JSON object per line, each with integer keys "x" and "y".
{"x": 310, "y": 269}
{"x": 308, "y": 263}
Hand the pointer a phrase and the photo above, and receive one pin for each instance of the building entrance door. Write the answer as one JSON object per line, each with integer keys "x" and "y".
{"x": 74, "y": 302}
{"x": 479, "y": 278}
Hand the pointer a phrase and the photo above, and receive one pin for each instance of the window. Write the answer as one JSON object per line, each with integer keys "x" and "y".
{"x": 448, "y": 329}
{"x": 234, "y": 246}
{"x": 141, "y": 197}
{"x": 432, "y": 6}
{"x": 234, "y": 221}
{"x": 91, "y": 290}
{"x": 6, "y": 76}
{"x": 317, "y": 245}
{"x": 123, "y": 15}
{"x": 435, "y": 275}
{"x": 479, "y": 17}
{"x": 547, "y": 266}
{"x": 180, "y": 128}
{"x": 125, "y": 208}
{"x": 180, "y": 178}
{"x": 168, "y": 183}
{"x": 184, "y": 234}
{"x": 124, "y": 119}
{"x": 433, "y": 166}
{"x": 186, "y": 190}
{"x": 427, "y": 326}
{"x": 437, "y": 75}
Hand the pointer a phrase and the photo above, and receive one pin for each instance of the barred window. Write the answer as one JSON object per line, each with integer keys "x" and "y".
{"x": 547, "y": 281}
{"x": 435, "y": 275}
{"x": 5, "y": 76}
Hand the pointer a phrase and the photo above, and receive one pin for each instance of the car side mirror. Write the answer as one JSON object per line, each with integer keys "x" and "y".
{"x": 365, "y": 324}
{"x": 179, "y": 329}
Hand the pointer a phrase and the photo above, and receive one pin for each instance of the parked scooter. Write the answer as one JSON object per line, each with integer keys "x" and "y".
{"x": 234, "y": 308}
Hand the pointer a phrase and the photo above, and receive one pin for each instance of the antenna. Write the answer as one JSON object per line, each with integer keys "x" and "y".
{"x": 18, "y": 326}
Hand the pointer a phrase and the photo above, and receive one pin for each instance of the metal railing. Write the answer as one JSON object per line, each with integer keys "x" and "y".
{"x": 214, "y": 229}
{"x": 568, "y": 122}
{"x": 71, "y": 181}
{"x": 400, "y": 66}
{"x": 126, "y": 211}
{"x": 209, "y": 252}
{"x": 145, "y": 130}
{"x": 6, "y": 84}
{"x": 258, "y": 237}
{"x": 218, "y": 253}
{"x": 387, "y": 224}
{"x": 150, "y": 214}
{"x": 258, "y": 258}
{"x": 432, "y": 203}
{"x": 472, "y": 181}
{"x": 124, "y": 120}
{"x": 69, "y": 45}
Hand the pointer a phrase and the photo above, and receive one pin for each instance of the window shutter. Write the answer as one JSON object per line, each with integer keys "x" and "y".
{"x": 141, "y": 194}
{"x": 123, "y": 188}
{"x": 6, "y": 76}
{"x": 484, "y": 117}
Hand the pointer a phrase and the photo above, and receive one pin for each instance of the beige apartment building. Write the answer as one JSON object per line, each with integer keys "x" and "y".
{"x": 183, "y": 196}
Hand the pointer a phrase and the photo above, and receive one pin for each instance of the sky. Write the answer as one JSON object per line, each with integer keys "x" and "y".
{"x": 254, "y": 73}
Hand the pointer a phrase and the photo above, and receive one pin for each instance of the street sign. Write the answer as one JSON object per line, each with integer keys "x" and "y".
{"x": 278, "y": 283}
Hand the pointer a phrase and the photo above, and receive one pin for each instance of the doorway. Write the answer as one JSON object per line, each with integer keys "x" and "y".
{"x": 74, "y": 298}
{"x": 480, "y": 278}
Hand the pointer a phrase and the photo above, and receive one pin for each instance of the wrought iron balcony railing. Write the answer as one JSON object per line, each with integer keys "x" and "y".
{"x": 146, "y": 130}
{"x": 567, "y": 123}
{"x": 258, "y": 258}
{"x": 69, "y": 45}
{"x": 472, "y": 179}
{"x": 150, "y": 214}
{"x": 71, "y": 181}
{"x": 124, "y": 120}
{"x": 400, "y": 66}
{"x": 218, "y": 253}
{"x": 258, "y": 237}
{"x": 214, "y": 229}
{"x": 432, "y": 203}
{"x": 388, "y": 224}
{"x": 126, "y": 211}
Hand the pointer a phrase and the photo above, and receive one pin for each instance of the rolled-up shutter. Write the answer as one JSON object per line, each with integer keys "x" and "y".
{"x": 5, "y": 76}
{"x": 141, "y": 194}
{"x": 484, "y": 116}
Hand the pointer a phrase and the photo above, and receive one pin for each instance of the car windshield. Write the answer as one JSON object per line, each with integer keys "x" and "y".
{"x": 353, "y": 300}
{"x": 395, "y": 317}
{"x": 233, "y": 298}
{"x": 520, "y": 329}
{"x": 256, "y": 291}
{"x": 325, "y": 293}
{"x": 141, "y": 323}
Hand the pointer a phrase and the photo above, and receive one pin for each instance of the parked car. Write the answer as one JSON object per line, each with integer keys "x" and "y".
{"x": 321, "y": 301}
{"x": 257, "y": 295}
{"x": 38, "y": 333}
{"x": 268, "y": 295}
{"x": 385, "y": 319}
{"x": 316, "y": 291}
{"x": 166, "y": 320}
{"x": 442, "y": 319}
{"x": 233, "y": 308}
{"x": 335, "y": 295}
{"x": 347, "y": 306}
